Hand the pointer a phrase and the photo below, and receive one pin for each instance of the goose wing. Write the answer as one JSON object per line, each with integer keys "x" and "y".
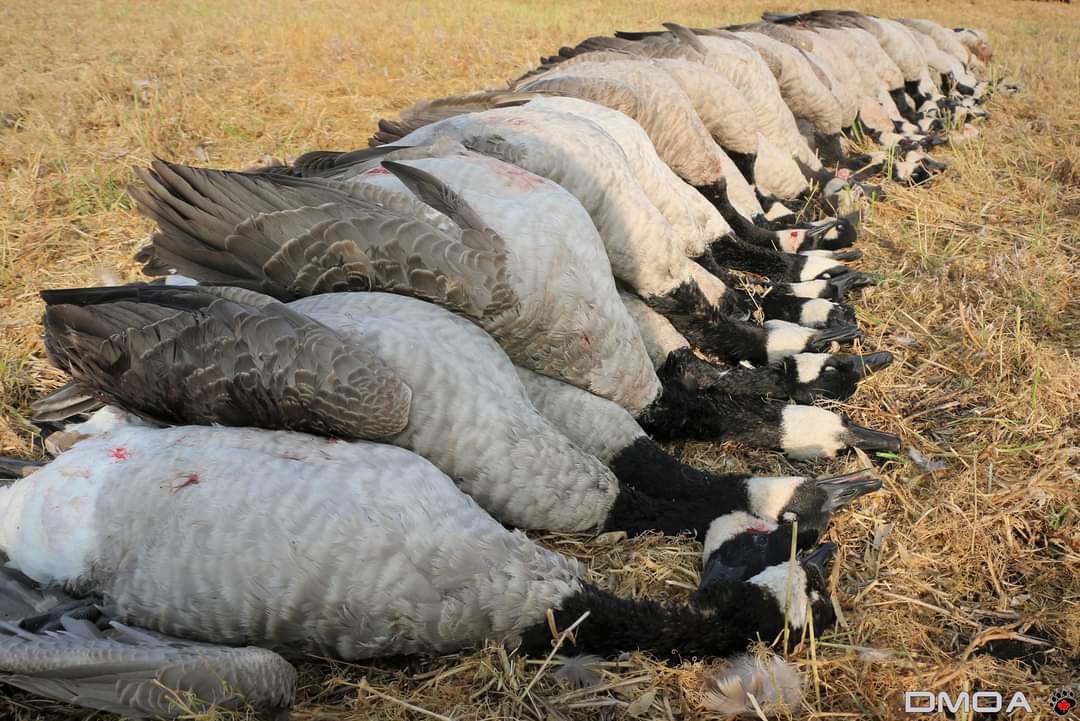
{"x": 221, "y": 355}
{"x": 61, "y": 648}
{"x": 291, "y": 237}
{"x": 427, "y": 112}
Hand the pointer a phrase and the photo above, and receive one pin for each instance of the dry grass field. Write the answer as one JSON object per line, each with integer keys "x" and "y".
{"x": 979, "y": 281}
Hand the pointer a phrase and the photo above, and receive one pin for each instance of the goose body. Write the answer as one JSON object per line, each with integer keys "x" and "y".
{"x": 748, "y": 72}
{"x": 652, "y": 95}
{"x": 481, "y": 429}
{"x": 570, "y": 323}
{"x": 801, "y": 87}
{"x": 691, "y": 216}
{"x": 721, "y": 107}
{"x": 399, "y": 562}
{"x": 556, "y": 323}
{"x": 644, "y": 251}
{"x": 525, "y": 262}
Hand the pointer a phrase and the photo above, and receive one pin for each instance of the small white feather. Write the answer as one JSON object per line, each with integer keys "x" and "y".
{"x": 579, "y": 671}
{"x": 775, "y": 684}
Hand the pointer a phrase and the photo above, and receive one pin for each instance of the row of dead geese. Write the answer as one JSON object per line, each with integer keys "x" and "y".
{"x": 485, "y": 319}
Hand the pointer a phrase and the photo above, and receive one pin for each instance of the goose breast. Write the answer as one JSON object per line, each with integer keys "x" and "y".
{"x": 240, "y": 535}
{"x": 470, "y": 415}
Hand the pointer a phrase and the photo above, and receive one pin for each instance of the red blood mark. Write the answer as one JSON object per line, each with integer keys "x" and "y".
{"x": 585, "y": 337}
{"x": 794, "y": 239}
{"x": 758, "y": 528}
{"x": 378, "y": 170}
{"x": 843, "y": 173}
{"x": 119, "y": 453}
{"x": 520, "y": 179}
{"x": 516, "y": 122}
{"x": 192, "y": 479}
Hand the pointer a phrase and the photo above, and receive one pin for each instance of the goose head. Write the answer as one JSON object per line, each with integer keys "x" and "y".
{"x": 810, "y": 501}
{"x": 807, "y": 432}
{"x": 818, "y": 267}
{"x": 790, "y": 591}
{"x": 833, "y": 289}
{"x": 785, "y": 339}
{"x": 740, "y": 545}
{"x": 828, "y": 234}
{"x": 833, "y": 376}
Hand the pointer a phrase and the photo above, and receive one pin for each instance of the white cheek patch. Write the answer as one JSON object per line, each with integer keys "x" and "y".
{"x": 815, "y": 266}
{"x": 785, "y": 339}
{"x": 809, "y": 365}
{"x": 905, "y": 169}
{"x": 777, "y": 580}
{"x": 777, "y": 210}
{"x": 769, "y": 495}
{"x": 728, "y": 526}
{"x": 815, "y": 313}
{"x": 810, "y": 432}
{"x": 809, "y": 288}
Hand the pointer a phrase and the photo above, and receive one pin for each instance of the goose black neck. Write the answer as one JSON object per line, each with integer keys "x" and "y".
{"x": 901, "y": 100}
{"x": 712, "y": 415}
{"x": 916, "y": 93}
{"x": 742, "y": 226}
{"x": 829, "y": 149}
{"x": 636, "y": 512}
{"x": 725, "y": 622}
{"x": 708, "y": 327}
{"x": 860, "y": 128}
{"x": 686, "y": 368}
{"x": 736, "y": 254}
{"x": 694, "y": 373}
{"x": 745, "y": 163}
{"x": 646, "y": 467}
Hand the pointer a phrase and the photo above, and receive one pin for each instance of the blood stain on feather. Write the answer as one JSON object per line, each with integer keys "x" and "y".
{"x": 192, "y": 479}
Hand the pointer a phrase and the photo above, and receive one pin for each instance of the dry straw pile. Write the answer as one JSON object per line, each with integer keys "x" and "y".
{"x": 979, "y": 280}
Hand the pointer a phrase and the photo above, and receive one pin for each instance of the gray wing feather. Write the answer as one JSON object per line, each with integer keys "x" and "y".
{"x": 49, "y": 646}
{"x": 431, "y": 111}
{"x": 294, "y": 237}
{"x": 118, "y": 674}
{"x": 65, "y": 403}
{"x": 221, "y": 355}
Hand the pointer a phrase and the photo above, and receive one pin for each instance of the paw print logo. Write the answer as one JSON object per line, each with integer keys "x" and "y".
{"x": 1063, "y": 701}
